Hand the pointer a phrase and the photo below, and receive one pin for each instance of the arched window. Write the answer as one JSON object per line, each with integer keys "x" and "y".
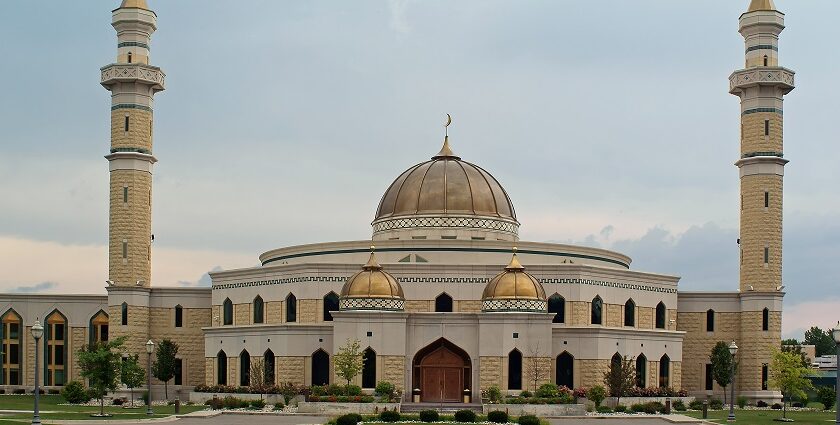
{"x": 630, "y": 313}
{"x": 766, "y": 60}
{"x": 124, "y": 314}
{"x": 710, "y": 320}
{"x": 268, "y": 365}
{"x": 320, "y": 368}
{"x": 660, "y": 316}
{"x": 443, "y": 303}
{"x": 597, "y": 311}
{"x": 98, "y": 328}
{"x": 369, "y": 369}
{"x": 515, "y": 370}
{"x": 259, "y": 310}
{"x": 641, "y": 371}
{"x": 565, "y": 370}
{"x": 291, "y": 308}
{"x": 11, "y": 343}
{"x": 244, "y": 369}
{"x": 221, "y": 368}
{"x": 56, "y": 349}
{"x": 179, "y": 316}
{"x": 664, "y": 371}
{"x": 227, "y": 312}
{"x": 765, "y": 320}
{"x": 615, "y": 361}
{"x": 330, "y": 305}
{"x": 129, "y": 57}
{"x": 557, "y": 305}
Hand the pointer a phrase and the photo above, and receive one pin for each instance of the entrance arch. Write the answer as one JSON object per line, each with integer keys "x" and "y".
{"x": 565, "y": 370}
{"x": 442, "y": 371}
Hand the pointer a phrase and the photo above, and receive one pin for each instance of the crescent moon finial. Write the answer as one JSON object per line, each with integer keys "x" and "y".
{"x": 446, "y": 126}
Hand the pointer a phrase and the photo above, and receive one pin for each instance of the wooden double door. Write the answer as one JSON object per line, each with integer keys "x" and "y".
{"x": 442, "y": 377}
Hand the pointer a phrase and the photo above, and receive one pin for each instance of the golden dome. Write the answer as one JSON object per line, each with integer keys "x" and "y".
{"x": 372, "y": 282}
{"x": 139, "y": 4}
{"x": 514, "y": 284}
{"x": 446, "y": 185}
{"x": 761, "y": 5}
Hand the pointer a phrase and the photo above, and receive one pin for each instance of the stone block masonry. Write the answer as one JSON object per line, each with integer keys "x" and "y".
{"x": 490, "y": 369}
{"x": 761, "y": 228}
{"x": 139, "y": 134}
{"x": 291, "y": 369}
{"x": 136, "y": 332}
{"x": 753, "y": 138}
{"x": 392, "y": 371}
{"x": 189, "y": 337}
{"x": 130, "y": 227}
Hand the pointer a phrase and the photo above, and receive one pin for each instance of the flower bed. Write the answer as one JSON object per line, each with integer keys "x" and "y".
{"x": 541, "y": 410}
{"x": 339, "y": 408}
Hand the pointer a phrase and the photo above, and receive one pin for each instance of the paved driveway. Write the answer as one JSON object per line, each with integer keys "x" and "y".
{"x": 318, "y": 420}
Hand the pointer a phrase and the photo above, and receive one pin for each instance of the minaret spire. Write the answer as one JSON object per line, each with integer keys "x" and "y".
{"x": 446, "y": 151}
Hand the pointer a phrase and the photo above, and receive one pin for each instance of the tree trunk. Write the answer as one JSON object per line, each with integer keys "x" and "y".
{"x": 101, "y": 404}
{"x": 131, "y": 390}
{"x": 724, "y": 394}
{"x": 166, "y": 389}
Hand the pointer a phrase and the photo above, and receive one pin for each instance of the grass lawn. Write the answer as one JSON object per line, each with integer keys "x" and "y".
{"x": 50, "y": 403}
{"x": 766, "y": 416}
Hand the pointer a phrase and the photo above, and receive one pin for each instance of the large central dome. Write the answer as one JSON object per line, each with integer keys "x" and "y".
{"x": 445, "y": 197}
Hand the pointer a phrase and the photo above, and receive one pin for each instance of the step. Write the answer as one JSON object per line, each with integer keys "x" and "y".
{"x": 439, "y": 407}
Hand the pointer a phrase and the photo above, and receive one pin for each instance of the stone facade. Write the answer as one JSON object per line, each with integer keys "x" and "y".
{"x": 291, "y": 369}
{"x": 136, "y": 332}
{"x": 757, "y": 347}
{"x": 490, "y": 372}
{"x": 189, "y": 337}
{"x": 418, "y": 306}
{"x": 761, "y": 228}
{"x": 393, "y": 368}
{"x": 536, "y": 368}
{"x": 274, "y": 312}
{"x": 130, "y": 228}
{"x": 78, "y": 338}
{"x": 308, "y": 311}
{"x": 139, "y": 134}
{"x": 753, "y": 138}
{"x": 242, "y": 314}
{"x": 468, "y": 305}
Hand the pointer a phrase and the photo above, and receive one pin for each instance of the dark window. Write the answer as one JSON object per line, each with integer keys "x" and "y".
{"x": 766, "y": 255}
{"x": 597, "y": 311}
{"x": 641, "y": 371}
{"x": 766, "y": 199}
{"x": 227, "y": 312}
{"x": 515, "y": 370}
{"x": 766, "y": 127}
{"x": 179, "y": 316}
{"x": 664, "y": 371}
{"x": 125, "y": 194}
{"x": 764, "y": 376}
{"x": 259, "y": 310}
{"x": 244, "y": 369}
{"x": 291, "y": 308}
{"x": 443, "y": 303}
{"x": 369, "y": 369}
{"x": 765, "y": 60}
{"x": 709, "y": 378}
{"x": 320, "y": 368}
{"x": 268, "y": 363}
{"x": 103, "y": 333}
{"x": 221, "y": 368}
{"x": 616, "y": 360}
{"x": 59, "y": 355}
{"x": 124, "y": 314}
{"x": 765, "y": 320}
{"x": 660, "y": 316}
{"x": 710, "y": 321}
{"x": 330, "y": 305}
{"x": 126, "y": 123}
{"x": 557, "y": 305}
{"x": 630, "y": 313}
{"x": 14, "y": 355}
{"x": 179, "y": 371}
{"x": 129, "y": 57}
{"x": 565, "y": 370}
{"x": 125, "y": 249}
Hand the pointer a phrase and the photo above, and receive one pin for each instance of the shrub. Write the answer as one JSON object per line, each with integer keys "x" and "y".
{"x": 367, "y": 399}
{"x": 826, "y": 396}
{"x": 215, "y": 403}
{"x": 653, "y": 407}
{"x": 528, "y": 420}
{"x": 596, "y": 394}
{"x": 603, "y": 409}
{"x": 742, "y": 401}
{"x": 389, "y": 416}
{"x": 696, "y": 405}
{"x": 257, "y": 404}
{"x": 335, "y": 389}
{"x": 497, "y": 417}
{"x": 231, "y": 402}
{"x": 145, "y": 397}
{"x": 465, "y": 416}
{"x": 349, "y": 419}
{"x": 342, "y": 399}
{"x": 526, "y": 394}
{"x": 19, "y": 391}
{"x": 279, "y": 405}
{"x": 53, "y": 391}
{"x": 796, "y": 404}
{"x": 74, "y": 393}
{"x": 638, "y": 407}
{"x": 118, "y": 401}
{"x": 715, "y": 404}
{"x": 353, "y": 390}
{"x": 620, "y": 408}
{"x": 565, "y": 398}
{"x": 679, "y": 406}
{"x": 494, "y": 394}
{"x": 547, "y": 390}
{"x": 318, "y": 390}
{"x": 385, "y": 389}
{"x": 776, "y": 406}
{"x": 761, "y": 403}
{"x": 429, "y": 416}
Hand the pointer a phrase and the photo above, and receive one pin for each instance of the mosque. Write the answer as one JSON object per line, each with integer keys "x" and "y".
{"x": 449, "y": 302}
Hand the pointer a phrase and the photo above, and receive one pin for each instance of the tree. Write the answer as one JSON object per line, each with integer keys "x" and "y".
{"x": 722, "y": 365}
{"x": 349, "y": 360}
{"x": 100, "y": 364}
{"x": 258, "y": 381}
{"x": 163, "y": 368}
{"x": 132, "y": 374}
{"x": 797, "y": 349}
{"x": 789, "y": 376}
{"x": 621, "y": 377}
{"x": 822, "y": 341}
{"x": 790, "y": 341}
{"x": 539, "y": 367}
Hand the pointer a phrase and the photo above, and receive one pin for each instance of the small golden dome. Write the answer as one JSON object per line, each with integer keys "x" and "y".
{"x": 761, "y": 5}
{"x": 138, "y": 4}
{"x": 514, "y": 284}
{"x": 372, "y": 282}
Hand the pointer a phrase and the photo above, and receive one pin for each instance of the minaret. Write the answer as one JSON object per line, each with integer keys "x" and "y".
{"x": 133, "y": 84}
{"x": 761, "y": 86}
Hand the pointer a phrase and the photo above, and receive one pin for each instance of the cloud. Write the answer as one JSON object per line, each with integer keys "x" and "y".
{"x": 797, "y": 318}
{"x": 398, "y": 16}
{"x": 38, "y": 287}
{"x": 203, "y": 281}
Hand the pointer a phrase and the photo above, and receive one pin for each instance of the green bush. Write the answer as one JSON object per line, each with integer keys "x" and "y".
{"x": 826, "y": 396}
{"x": 741, "y": 401}
{"x": 349, "y": 419}
{"x": 715, "y": 404}
{"x": 335, "y": 389}
{"x": 620, "y": 408}
{"x": 389, "y": 416}
{"x": 528, "y": 420}
{"x": 215, "y": 403}
{"x": 318, "y": 390}
{"x": 497, "y": 417}
{"x": 257, "y": 404}
{"x": 654, "y": 407}
{"x": 526, "y": 394}
{"x": 596, "y": 394}
{"x": 637, "y": 407}
{"x": 91, "y": 394}
{"x": 494, "y": 394}
{"x": 279, "y": 405}
{"x": 385, "y": 389}
{"x": 547, "y": 390}
{"x": 75, "y": 393}
{"x": 603, "y": 409}
{"x": 145, "y": 397}
{"x": 429, "y": 416}
{"x": 231, "y": 402}
{"x": 696, "y": 405}
{"x": 679, "y": 406}
{"x": 352, "y": 390}
{"x": 465, "y": 416}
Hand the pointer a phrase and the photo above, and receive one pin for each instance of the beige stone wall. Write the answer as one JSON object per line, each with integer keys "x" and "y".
{"x": 490, "y": 372}
{"x": 136, "y": 332}
{"x": 274, "y": 312}
{"x": 216, "y": 315}
{"x": 29, "y": 353}
{"x": 139, "y": 134}
{"x": 579, "y": 313}
{"x": 393, "y": 371}
{"x": 210, "y": 371}
{"x": 614, "y": 317}
{"x": 752, "y": 133}
{"x": 190, "y": 339}
{"x": 78, "y": 338}
{"x": 756, "y": 347}
{"x": 233, "y": 375}
{"x": 761, "y": 227}
{"x": 698, "y": 344}
{"x": 291, "y": 369}
{"x": 469, "y": 306}
{"x": 418, "y": 306}
{"x": 589, "y": 373}
{"x": 539, "y": 368}
{"x": 646, "y": 316}
{"x": 308, "y": 311}
{"x": 130, "y": 222}
{"x": 242, "y": 314}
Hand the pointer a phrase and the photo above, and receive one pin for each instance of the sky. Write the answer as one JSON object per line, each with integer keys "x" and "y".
{"x": 283, "y": 122}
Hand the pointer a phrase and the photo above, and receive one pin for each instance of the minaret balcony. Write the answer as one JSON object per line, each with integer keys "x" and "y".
{"x": 133, "y": 72}
{"x": 762, "y": 76}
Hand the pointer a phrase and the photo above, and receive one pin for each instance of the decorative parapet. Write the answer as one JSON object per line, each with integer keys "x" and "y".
{"x": 387, "y": 304}
{"x": 758, "y": 76}
{"x": 539, "y": 306}
{"x": 148, "y": 74}
{"x": 482, "y": 223}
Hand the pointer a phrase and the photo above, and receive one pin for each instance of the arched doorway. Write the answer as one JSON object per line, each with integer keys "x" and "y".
{"x": 320, "y": 368}
{"x": 565, "y": 370}
{"x": 442, "y": 372}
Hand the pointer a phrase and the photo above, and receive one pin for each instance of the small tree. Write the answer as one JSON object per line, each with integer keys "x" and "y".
{"x": 722, "y": 364}
{"x": 826, "y": 395}
{"x": 258, "y": 381}
{"x": 822, "y": 341}
{"x": 163, "y": 367}
{"x": 132, "y": 374}
{"x": 349, "y": 360}
{"x": 621, "y": 377}
{"x": 538, "y": 367}
{"x": 100, "y": 364}
{"x": 789, "y": 376}
{"x": 797, "y": 349}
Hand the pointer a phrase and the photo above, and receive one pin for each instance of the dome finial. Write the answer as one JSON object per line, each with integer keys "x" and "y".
{"x": 137, "y": 4}
{"x": 514, "y": 265}
{"x": 372, "y": 264}
{"x": 446, "y": 151}
{"x": 761, "y": 5}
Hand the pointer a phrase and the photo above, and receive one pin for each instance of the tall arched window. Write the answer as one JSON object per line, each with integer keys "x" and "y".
{"x": 259, "y": 310}
{"x": 597, "y": 311}
{"x": 227, "y": 312}
{"x": 766, "y": 60}
{"x": 565, "y": 370}
{"x": 330, "y": 305}
{"x": 369, "y": 369}
{"x": 557, "y": 305}
{"x": 268, "y": 365}
{"x": 641, "y": 371}
{"x": 615, "y": 361}
{"x": 320, "y": 368}
{"x": 660, "y": 316}
{"x": 56, "y": 349}
{"x": 221, "y": 368}
{"x": 124, "y": 314}
{"x": 664, "y": 371}
{"x": 11, "y": 343}
{"x": 443, "y": 303}
{"x": 710, "y": 320}
{"x": 630, "y": 313}
{"x": 291, "y": 308}
{"x": 765, "y": 320}
{"x": 244, "y": 369}
{"x": 98, "y": 328}
{"x": 129, "y": 57}
{"x": 515, "y": 370}
{"x": 179, "y": 316}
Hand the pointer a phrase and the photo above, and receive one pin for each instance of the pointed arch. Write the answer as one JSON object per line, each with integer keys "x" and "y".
{"x": 221, "y": 368}
{"x": 244, "y": 369}
{"x": 661, "y": 312}
{"x": 11, "y": 348}
{"x": 330, "y": 305}
{"x": 616, "y": 359}
{"x": 597, "y": 313}
{"x": 55, "y": 348}
{"x": 269, "y": 362}
{"x": 98, "y": 327}
{"x": 259, "y": 310}
{"x": 442, "y": 371}
{"x": 320, "y": 367}
{"x": 369, "y": 368}
{"x": 124, "y": 314}
{"x": 227, "y": 312}
{"x": 664, "y": 371}
{"x": 179, "y": 316}
{"x": 291, "y": 308}
{"x": 129, "y": 57}
{"x": 443, "y": 303}
{"x": 557, "y": 305}
{"x": 565, "y": 370}
{"x": 641, "y": 371}
{"x": 514, "y": 370}
{"x": 630, "y": 313}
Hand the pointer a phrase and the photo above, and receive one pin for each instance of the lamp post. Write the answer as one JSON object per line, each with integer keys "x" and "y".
{"x": 37, "y": 333}
{"x": 836, "y": 332}
{"x": 733, "y": 349}
{"x": 150, "y": 346}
